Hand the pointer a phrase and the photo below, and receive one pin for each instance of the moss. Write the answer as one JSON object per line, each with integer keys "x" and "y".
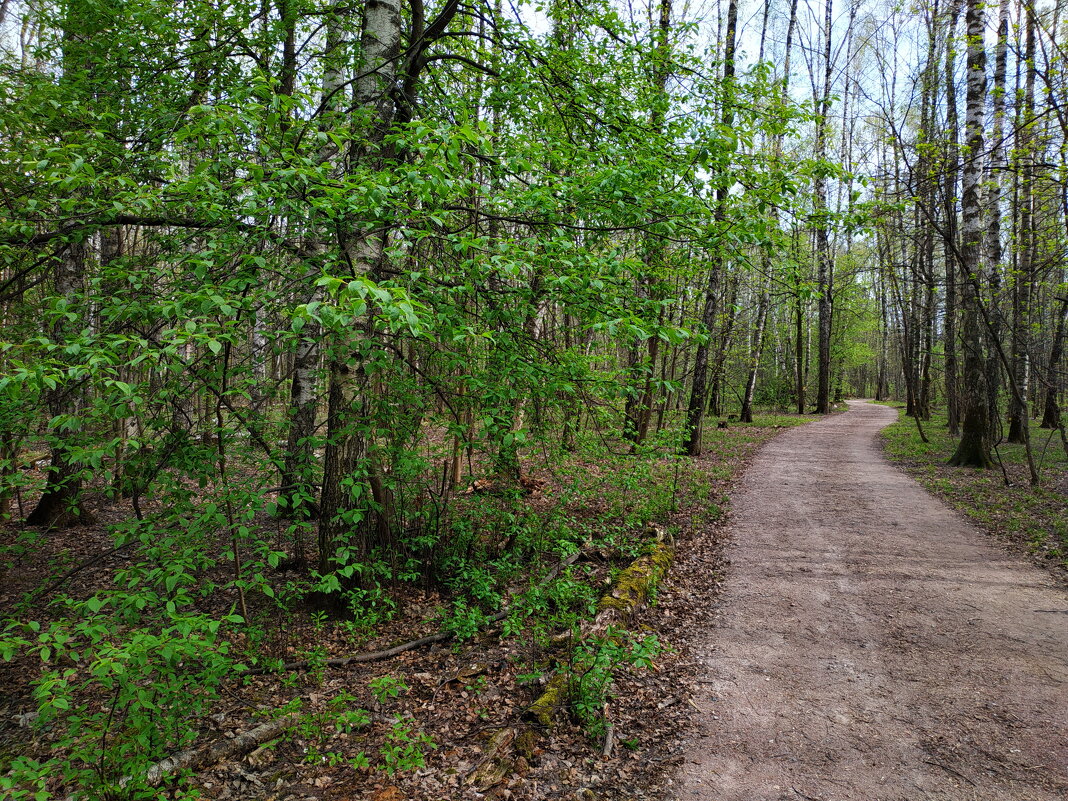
{"x": 550, "y": 700}
{"x": 632, "y": 588}
{"x": 525, "y": 744}
{"x": 639, "y": 581}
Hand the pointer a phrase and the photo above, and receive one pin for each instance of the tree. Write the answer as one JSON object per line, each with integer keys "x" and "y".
{"x": 695, "y": 411}
{"x": 821, "y": 223}
{"x": 950, "y": 240}
{"x": 973, "y": 448}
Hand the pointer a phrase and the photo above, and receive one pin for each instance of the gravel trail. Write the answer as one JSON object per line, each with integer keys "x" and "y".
{"x": 872, "y": 645}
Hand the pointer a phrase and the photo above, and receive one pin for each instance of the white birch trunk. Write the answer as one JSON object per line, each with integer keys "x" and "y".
{"x": 973, "y": 447}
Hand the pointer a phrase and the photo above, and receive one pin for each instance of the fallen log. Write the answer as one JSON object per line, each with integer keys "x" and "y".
{"x": 373, "y": 656}
{"x": 196, "y": 758}
{"x": 629, "y": 593}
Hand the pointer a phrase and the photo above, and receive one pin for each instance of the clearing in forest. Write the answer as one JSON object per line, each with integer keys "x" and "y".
{"x": 872, "y": 645}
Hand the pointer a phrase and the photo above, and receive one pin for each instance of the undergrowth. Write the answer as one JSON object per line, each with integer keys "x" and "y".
{"x": 123, "y": 671}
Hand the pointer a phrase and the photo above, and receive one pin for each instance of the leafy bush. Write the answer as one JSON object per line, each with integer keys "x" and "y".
{"x": 156, "y": 683}
{"x": 593, "y": 666}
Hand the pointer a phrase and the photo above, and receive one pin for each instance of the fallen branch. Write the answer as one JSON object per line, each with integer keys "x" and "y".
{"x": 196, "y": 758}
{"x": 388, "y": 653}
{"x": 57, "y": 583}
{"x": 373, "y": 656}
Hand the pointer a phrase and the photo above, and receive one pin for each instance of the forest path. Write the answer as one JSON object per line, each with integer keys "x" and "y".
{"x": 872, "y": 645}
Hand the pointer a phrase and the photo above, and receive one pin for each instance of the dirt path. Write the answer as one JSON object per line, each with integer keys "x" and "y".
{"x": 873, "y": 646}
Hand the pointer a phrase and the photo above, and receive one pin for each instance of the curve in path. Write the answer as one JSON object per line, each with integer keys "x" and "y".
{"x": 873, "y": 646}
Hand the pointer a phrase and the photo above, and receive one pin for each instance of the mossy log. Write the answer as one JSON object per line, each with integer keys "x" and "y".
{"x": 496, "y": 763}
{"x": 551, "y": 699}
{"x": 628, "y": 594}
{"x": 633, "y": 586}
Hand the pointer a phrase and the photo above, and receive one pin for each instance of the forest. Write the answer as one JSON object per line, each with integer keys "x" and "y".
{"x": 346, "y": 347}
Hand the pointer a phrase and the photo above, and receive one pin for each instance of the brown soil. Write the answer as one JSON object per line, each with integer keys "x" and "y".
{"x": 871, "y": 645}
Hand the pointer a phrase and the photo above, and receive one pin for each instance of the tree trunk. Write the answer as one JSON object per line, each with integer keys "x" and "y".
{"x": 698, "y": 388}
{"x": 824, "y": 265}
{"x": 58, "y": 506}
{"x": 799, "y": 351}
{"x": 950, "y": 243}
{"x": 973, "y": 448}
{"x": 696, "y": 407}
{"x": 1051, "y": 412}
{"x": 757, "y": 349}
{"x": 715, "y": 406}
{"x": 995, "y": 252}
{"x": 298, "y": 468}
{"x": 1023, "y": 277}
{"x": 344, "y": 507}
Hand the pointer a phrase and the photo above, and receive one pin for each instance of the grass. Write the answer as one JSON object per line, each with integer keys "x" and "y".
{"x": 1035, "y": 518}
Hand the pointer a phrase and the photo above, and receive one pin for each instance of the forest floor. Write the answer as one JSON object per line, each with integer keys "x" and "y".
{"x": 870, "y": 643}
{"x": 467, "y": 698}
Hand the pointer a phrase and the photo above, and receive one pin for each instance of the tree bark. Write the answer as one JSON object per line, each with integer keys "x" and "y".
{"x": 973, "y": 448}
{"x": 950, "y": 243}
{"x": 345, "y": 511}
{"x": 994, "y": 249}
{"x": 695, "y": 411}
{"x": 1023, "y": 277}
{"x": 824, "y": 265}
{"x": 1051, "y": 413}
{"x": 757, "y": 348}
{"x": 298, "y": 487}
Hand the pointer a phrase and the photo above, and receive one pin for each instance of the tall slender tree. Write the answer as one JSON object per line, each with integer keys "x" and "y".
{"x": 973, "y": 450}
{"x": 821, "y": 222}
{"x": 695, "y": 411}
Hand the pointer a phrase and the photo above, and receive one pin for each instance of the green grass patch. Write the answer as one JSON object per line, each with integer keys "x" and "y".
{"x": 1034, "y": 517}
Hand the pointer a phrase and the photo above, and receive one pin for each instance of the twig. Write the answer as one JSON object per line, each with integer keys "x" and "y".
{"x": 87, "y": 563}
{"x": 948, "y": 769}
{"x": 609, "y": 740}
